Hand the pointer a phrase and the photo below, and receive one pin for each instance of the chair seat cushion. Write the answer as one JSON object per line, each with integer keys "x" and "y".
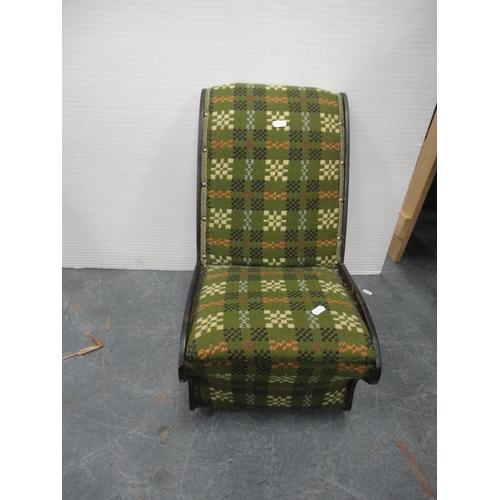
{"x": 258, "y": 323}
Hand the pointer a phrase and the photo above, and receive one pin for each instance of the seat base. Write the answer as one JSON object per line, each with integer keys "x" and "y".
{"x": 216, "y": 393}
{"x": 255, "y": 341}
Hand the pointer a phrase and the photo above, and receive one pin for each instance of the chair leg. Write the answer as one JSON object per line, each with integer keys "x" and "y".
{"x": 191, "y": 391}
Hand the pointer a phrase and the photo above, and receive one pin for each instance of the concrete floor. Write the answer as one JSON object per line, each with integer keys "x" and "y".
{"x": 128, "y": 433}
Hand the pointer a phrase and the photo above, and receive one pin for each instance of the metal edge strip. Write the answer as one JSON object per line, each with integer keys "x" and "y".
{"x": 203, "y": 183}
{"x": 345, "y": 190}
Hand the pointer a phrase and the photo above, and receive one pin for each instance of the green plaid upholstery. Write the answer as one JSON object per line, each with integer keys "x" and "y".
{"x": 256, "y": 342}
{"x": 271, "y": 196}
{"x": 271, "y": 214}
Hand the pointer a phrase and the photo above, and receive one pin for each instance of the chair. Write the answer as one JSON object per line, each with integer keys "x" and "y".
{"x": 273, "y": 317}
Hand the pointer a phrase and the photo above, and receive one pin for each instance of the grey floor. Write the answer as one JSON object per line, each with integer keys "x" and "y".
{"x": 128, "y": 433}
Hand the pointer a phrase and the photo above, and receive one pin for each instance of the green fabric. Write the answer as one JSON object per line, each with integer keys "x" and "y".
{"x": 255, "y": 339}
{"x": 212, "y": 391}
{"x": 271, "y": 196}
{"x": 271, "y": 212}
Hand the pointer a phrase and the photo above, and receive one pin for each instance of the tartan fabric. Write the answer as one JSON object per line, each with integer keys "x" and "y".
{"x": 214, "y": 392}
{"x": 271, "y": 211}
{"x": 272, "y": 196}
{"x": 255, "y": 341}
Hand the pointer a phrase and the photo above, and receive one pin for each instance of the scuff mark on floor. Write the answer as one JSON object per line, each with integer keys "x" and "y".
{"x": 342, "y": 487}
{"x": 108, "y": 325}
{"x": 164, "y": 432}
{"x": 417, "y": 469}
{"x": 161, "y": 477}
{"x": 161, "y": 398}
{"x": 75, "y": 308}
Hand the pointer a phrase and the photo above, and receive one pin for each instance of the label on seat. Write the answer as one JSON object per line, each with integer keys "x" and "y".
{"x": 318, "y": 310}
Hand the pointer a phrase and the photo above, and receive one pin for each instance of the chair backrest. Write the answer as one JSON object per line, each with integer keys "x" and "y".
{"x": 272, "y": 176}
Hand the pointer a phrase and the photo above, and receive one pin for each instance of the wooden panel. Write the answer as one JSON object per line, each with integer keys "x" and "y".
{"x": 421, "y": 181}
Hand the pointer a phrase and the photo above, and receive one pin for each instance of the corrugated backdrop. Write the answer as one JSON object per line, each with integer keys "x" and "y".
{"x": 132, "y": 77}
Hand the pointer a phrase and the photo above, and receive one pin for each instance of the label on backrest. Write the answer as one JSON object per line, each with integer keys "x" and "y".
{"x": 279, "y": 123}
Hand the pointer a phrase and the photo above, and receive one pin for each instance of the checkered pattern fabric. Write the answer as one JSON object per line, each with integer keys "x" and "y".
{"x": 255, "y": 340}
{"x": 271, "y": 211}
{"x": 272, "y": 176}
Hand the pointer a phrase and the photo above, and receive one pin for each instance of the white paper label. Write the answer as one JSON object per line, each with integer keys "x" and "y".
{"x": 318, "y": 310}
{"x": 279, "y": 123}
{"x": 367, "y": 291}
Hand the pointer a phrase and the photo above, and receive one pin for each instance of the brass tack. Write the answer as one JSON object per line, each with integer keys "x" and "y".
{"x": 205, "y": 114}
{"x": 203, "y": 256}
{"x": 342, "y": 162}
{"x": 339, "y": 237}
{"x": 205, "y": 150}
{"x": 203, "y": 184}
{"x": 203, "y": 219}
{"x": 341, "y": 199}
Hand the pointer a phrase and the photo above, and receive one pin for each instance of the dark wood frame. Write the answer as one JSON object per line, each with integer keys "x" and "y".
{"x": 195, "y": 280}
{"x": 374, "y": 376}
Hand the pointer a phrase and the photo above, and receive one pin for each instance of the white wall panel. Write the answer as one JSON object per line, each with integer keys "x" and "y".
{"x": 132, "y": 77}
